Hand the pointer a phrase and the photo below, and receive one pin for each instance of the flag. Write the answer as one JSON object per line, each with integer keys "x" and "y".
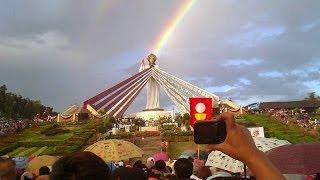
{"x": 200, "y": 109}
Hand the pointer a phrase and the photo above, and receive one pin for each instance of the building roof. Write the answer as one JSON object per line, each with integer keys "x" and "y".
{"x": 74, "y": 109}
{"x": 290, "y": 104}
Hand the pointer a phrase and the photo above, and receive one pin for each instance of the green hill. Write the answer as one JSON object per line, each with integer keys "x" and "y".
{"x": 276, "y": 129}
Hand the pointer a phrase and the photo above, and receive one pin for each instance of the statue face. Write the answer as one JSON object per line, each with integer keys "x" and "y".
{"x": 152, "y": 59}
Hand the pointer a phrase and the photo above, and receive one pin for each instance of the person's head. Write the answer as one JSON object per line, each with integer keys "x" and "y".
{"x": 27, "y": 176}
{"x": 191, "y": 158}
{"x": 44, "y": 170}
{"x": 80, "y": 165}
{"x": 161, "y": 165}
{"x": 7, "y": 169}
{"x": 137, "y": 163}
{"x": 124, "y": 173}
{"x": 203, "y": 172}
{"x": 183, "y": 168}
{"x": 43, "y": 177}
{"x": 150, "y": 162}
{"x": 121, "y": 164}
{"x": 169, "y": 169}
{"x": 170, "y": 177}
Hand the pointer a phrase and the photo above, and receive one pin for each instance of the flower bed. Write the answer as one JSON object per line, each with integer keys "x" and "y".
{"x": 177, "y": 136}
{"x": 147, "y": 133}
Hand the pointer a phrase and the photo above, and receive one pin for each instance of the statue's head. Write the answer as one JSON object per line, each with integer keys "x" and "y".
{"x": 152, "y": 59}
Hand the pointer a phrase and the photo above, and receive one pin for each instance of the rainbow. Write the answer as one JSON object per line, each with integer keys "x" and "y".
{"x": 170, "y": 27}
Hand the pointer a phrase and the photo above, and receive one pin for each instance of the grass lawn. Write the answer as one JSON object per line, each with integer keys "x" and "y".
{"x": 37, "y": 136}
{"x": 34, "y": 134}
{"x": 274, "y": 128}
{"x": 32, "y": 142}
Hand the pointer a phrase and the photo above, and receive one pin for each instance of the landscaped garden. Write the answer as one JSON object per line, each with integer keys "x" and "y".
{"x": 50, "y": 139}
{"x": 59, "y": 139}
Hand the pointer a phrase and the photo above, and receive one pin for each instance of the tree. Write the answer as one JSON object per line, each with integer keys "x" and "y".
{"x": 112, "y": 120}
{"x": 312, "y": 96}
{"x": 8, "y": 106}
{"x": 15, "y": 106}
{"x": 3, "y": 90}
{"x": 139, "y": 122}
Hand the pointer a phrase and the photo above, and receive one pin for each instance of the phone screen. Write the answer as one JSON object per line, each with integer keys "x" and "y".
{"x": 209, "y": 132}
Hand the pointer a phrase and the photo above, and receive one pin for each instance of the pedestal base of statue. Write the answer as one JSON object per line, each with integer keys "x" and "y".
{"x": 151, "y": 114}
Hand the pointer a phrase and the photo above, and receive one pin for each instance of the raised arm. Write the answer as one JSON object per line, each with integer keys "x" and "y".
{"x": 240, "y": 145}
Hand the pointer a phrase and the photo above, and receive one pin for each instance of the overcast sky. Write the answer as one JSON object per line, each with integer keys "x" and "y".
{"x": 62, "y": 52}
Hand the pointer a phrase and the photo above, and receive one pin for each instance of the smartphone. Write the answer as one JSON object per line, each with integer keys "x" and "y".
{"x": 210, "y": 132}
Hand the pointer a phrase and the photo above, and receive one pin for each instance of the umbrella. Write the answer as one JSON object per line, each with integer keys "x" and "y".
{"x": 160, "y": 156}
{"x": 36, "y": 163}
{"x": 21, "y": 162}
{"x": 220, "y": 160}
{"x": 188, "y": 153}
{"x": 203, "y": 155}
{"x": 296, "y": 158}
{"x": 115, "y": 150}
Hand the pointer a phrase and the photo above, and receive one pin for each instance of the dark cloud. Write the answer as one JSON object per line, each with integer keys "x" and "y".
{"x": 63, "y": 52}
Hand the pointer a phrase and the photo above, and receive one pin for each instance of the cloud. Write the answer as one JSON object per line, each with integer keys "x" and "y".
{"x": 218, "y": 89}
{"x": 309, "y": 26}
{"x": 242, "y": 62}
{"x": 253, "y": 36}
{"x": 271, "y": 74}
{"x": 245, "y": 81}
{"x": 46, "y": 40}
{"x": 63, "y": 52}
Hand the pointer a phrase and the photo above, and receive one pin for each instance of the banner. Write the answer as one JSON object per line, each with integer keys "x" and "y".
{"x": 256, "y": 131}
{"x": 200, "y": 109}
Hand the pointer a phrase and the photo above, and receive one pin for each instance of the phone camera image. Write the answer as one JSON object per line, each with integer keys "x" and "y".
{"x": 210, "y": 132}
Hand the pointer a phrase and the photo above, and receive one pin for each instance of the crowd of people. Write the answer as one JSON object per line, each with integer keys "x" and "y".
{"x": 238, "y": 144}
{"x": 86, "y": 165}
{"x": 299, "y": 117}
{"x": 10, "y": 127}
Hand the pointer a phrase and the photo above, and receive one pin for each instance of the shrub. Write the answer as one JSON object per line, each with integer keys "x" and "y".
{"x": 178, "y": 136}
{"x": 51, "y": 127}
{"x": 177, "y": 133}
{"x": 147, "y": 133}
{"x": 168, "y": 127}
{"x": 62, "y": 150}
{"x": 40, "y": 143}
{"x": 75, "y": 139}
{"x": 54, "y": 132}
{"x": 8, "y": 149}
{"x": 102, "y": 129}
{"x": 134, "y": 128}
{"x": 124, "y": 135}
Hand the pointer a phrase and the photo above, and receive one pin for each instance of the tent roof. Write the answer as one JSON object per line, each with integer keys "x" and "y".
{"x": 290, "y": 104}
